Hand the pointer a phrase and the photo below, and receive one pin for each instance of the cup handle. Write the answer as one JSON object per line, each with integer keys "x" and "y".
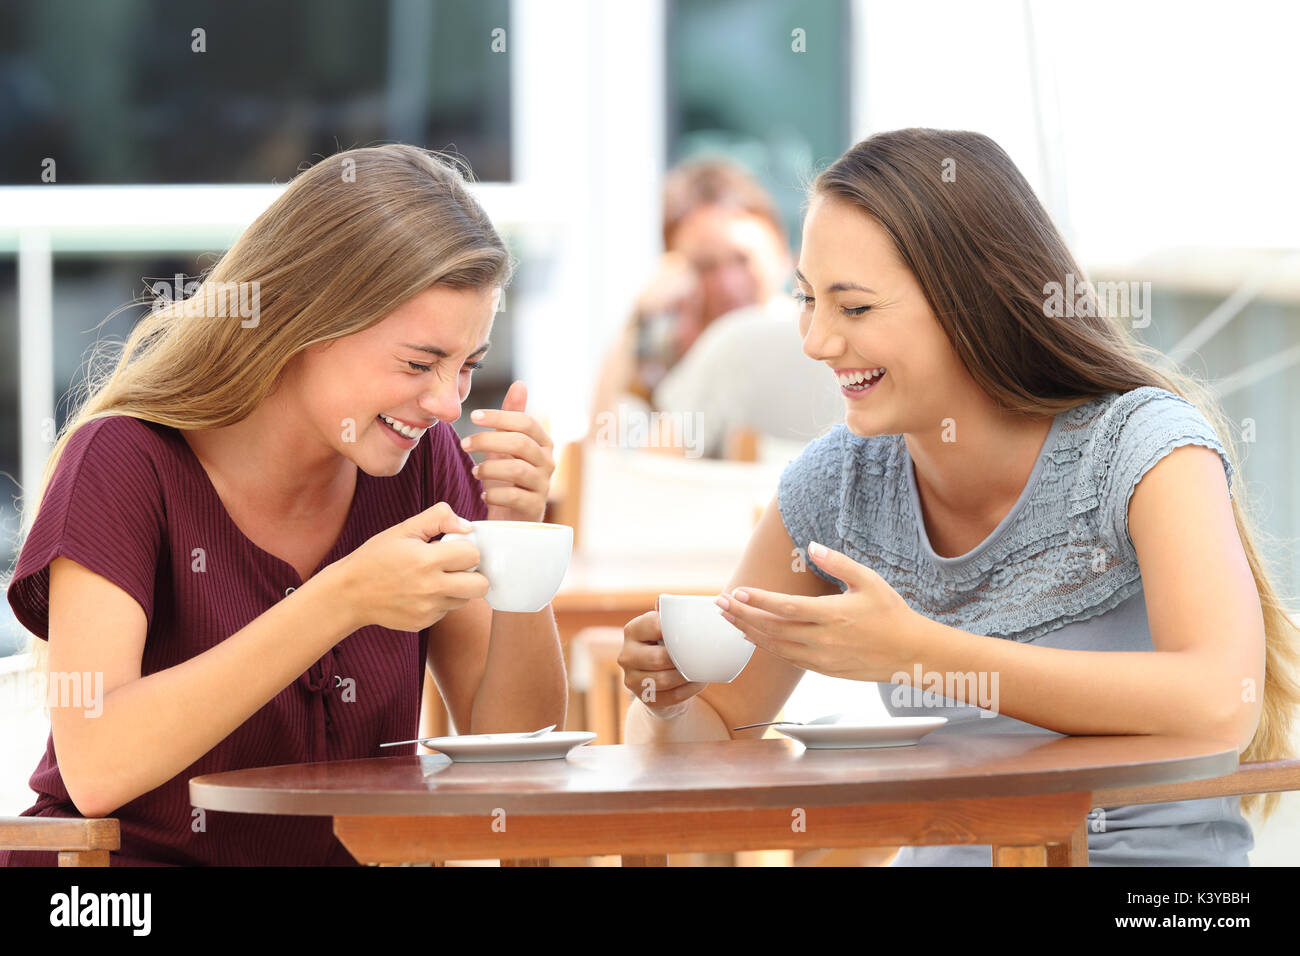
{"x": 458, "y": 536}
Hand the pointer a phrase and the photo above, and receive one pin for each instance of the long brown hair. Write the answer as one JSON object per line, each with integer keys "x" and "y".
{"x": 348, "y": 241}
{"x": 963, "y": 219}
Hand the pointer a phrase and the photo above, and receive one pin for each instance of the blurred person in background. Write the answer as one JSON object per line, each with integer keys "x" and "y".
{"x": 715, "y": 334}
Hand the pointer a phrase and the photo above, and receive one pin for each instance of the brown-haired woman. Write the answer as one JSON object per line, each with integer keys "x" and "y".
{"x": 1017, "y": 490}
{"x": 236, "y": 530}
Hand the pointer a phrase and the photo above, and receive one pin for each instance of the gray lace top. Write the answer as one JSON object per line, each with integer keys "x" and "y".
{"x": 1059, "y": 570}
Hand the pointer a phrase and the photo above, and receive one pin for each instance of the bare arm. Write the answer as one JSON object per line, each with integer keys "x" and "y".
{"x": 769, "y": 562}
{"x": 499, "y": 672}
{"x": 145, "y": 730}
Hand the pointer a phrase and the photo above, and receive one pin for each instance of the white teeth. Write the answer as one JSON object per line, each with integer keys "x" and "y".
{"x": 855, "y": 378}
{"x": 401, "y": 429}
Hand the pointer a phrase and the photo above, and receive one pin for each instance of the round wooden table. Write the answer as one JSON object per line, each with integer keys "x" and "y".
{"x": 1028, "y": 795}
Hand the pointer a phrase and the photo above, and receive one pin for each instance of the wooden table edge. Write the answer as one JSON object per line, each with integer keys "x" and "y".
{"x": 1040, "y": 829}
{"x": 228, "y": 799}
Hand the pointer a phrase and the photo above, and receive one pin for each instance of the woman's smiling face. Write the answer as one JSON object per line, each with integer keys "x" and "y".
{"x": 413, "y": 367}
{"x": 862, "y": 309}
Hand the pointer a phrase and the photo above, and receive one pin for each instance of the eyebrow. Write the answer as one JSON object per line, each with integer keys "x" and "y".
{"x": 837, "y": 286}
{"x": 442, "y": 353}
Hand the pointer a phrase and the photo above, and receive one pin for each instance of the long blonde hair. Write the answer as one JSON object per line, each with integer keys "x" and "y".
{"x": 983, "y": 250}
{"x": 348, "y": 241}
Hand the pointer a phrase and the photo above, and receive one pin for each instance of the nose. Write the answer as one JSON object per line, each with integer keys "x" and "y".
{"x": 821, "y": 341}
{"x": 443, "y": 402}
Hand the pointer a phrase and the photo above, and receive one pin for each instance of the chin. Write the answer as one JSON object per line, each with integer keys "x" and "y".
{"x": 385, "y": 471}
{"x": 856, "y": 428}
{"x": 385, "y": 467}
{"x": 377, "y": 465}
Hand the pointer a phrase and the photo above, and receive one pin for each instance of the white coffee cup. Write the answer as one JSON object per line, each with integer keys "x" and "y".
{"x": 704, "y": 646}
{"x": 524, "y": 561}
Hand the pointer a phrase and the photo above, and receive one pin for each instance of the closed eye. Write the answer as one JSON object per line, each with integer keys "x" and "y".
{"x": 417, "y": 367}
{"x": 806, "y": 302}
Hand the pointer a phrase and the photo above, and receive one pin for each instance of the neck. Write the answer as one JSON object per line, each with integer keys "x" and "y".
{"x": 276, "y": 459}
{"x": 977, "y": 464}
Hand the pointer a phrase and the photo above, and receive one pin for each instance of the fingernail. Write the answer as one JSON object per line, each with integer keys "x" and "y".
{"x": 740, "y": 596}
{"x": 722, "y": 602}
{"x": 474, "y": 471}
{"x": 477, "y": 414}
{"x": 816, "y": 549}
{"x": 464, "y": 443}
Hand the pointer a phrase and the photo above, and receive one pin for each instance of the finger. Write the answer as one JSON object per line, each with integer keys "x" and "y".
{"x": 517, "y": 499}
{"x": 515, "y": 444}
{"x": 661, "y": 681}
{"x": 440, "y": 519}
{"x": 644, "y": 629}
{"x": 769, "y": 625}
{"x": 792, "y": 607}
{"x": 466, "y": 585}
{"x": 516, "y": 399}
{"x": 517, "y": 472}
{"x": 645, "y": 657}
{"x": 840, "y": 565}
{"x": 791, "y": 651}
{"x": 449, "y": 556}
{"x": 665, "y": 696}
{"x": 511, "y": 421}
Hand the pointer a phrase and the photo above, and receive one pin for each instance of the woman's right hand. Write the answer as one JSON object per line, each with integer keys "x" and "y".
{"x": 401, "y": 580}
{"x": 648, "y": 671}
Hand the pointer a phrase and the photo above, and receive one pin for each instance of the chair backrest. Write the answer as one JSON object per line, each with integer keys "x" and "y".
{"x": 638, "y": 502}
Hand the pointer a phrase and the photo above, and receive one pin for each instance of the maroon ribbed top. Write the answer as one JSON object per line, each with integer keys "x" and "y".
{"x": 131, "y": 502}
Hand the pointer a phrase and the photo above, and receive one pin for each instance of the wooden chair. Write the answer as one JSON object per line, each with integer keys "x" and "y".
{"x": 79, "y": 842}
{"x": 742, "y": 445}
{"x": 598, "y": 680}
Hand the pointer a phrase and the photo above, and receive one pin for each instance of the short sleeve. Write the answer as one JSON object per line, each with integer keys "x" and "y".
{"x": 1141, "y": 428}
{"x": 449, "y": 476}
{"x": 102, "y": 509}
{"x": 810, "y": 496}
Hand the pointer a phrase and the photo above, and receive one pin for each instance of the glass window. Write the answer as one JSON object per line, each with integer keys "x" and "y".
{"x": 763, "y": 81}
{"x": 116, "y": 92}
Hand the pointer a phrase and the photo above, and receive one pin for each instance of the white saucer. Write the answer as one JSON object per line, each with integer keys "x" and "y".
{"x": 886, "y": 732}
{"x": 485, "y": 748}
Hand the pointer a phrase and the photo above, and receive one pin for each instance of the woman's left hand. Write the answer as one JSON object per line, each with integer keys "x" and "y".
{"x": 862, "y": 634}
{"x": 516, "y": 473}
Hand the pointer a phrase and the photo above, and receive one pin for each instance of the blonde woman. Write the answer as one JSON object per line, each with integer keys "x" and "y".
{"x": 1018, "y": 490}
{"x": 238, "y": 528}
